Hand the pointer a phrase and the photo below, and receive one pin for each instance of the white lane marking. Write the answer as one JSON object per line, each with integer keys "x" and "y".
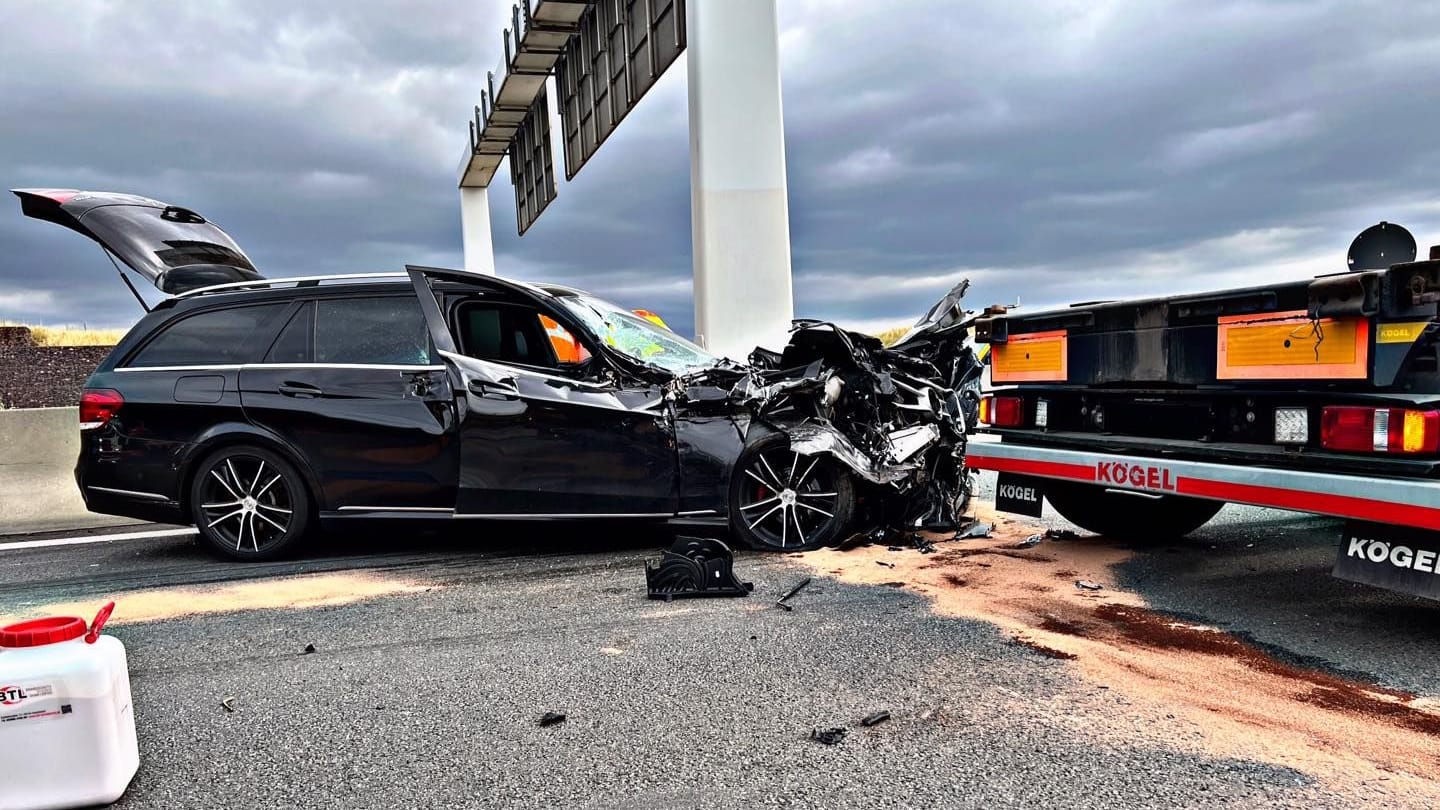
{"x": 93, "y": 538}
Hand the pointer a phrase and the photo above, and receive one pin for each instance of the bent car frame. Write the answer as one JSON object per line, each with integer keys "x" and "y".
{"x": 256, "y": 408}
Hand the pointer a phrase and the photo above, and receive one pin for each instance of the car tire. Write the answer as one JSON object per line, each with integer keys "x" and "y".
{"x": 1135, "y": 518}
{"x": 783, "y": 501}
{"x": 249, "y": 503}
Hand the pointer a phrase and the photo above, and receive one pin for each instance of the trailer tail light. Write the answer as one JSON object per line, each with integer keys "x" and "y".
{"x": 98, "y": 406}
{"x": 1002, "y": 411}
{"x": 1379, "y": 430}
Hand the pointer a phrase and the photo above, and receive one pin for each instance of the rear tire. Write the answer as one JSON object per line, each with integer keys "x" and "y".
{"x": 1131, "y": 518}
{"x": 783, "y": 501}
{"x": 249, "y": 503}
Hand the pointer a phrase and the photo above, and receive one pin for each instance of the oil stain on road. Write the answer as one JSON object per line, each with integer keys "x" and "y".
{"x": 1205, "y": 689}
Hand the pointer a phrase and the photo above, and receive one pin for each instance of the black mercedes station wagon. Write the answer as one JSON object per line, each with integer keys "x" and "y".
{"x": 255, "y": 409}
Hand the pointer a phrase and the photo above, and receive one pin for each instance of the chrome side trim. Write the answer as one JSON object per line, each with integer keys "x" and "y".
{"x": 144, "y": 496}
{"x": 235, "y": 367}
{"x": 425, "y": 509}
{"x": 243, "y": 366}
{"x": 697, "y": 512}
{"x": 366, "y": 366}
{"x": 565, "y": 516}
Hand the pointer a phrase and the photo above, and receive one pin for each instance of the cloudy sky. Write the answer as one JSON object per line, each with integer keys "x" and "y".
{"x": 1054, "y": 151}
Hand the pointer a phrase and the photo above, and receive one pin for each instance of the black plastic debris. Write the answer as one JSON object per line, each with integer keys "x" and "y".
{"x": 309, "y": 648}
{"x": 1087, "y": 585}
{"x": 886, "y": 564}
{"x": 695, "y": 566}
{"x": 875, "y": 718}
{"x": 829, "y": 736}
{"x": 551, "y": 718}
{"x": 922, "y": 545}
{"x": 974, "y": 530}
{"x": 799, "y": 586}
{"x": 1061, "y": 534}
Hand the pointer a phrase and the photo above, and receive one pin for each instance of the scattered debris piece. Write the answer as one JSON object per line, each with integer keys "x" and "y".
{"x": 975, "y": 531}
{"x": 886, "y": 564}
{"x": 829, "y": 736}
{"x": 894, "y": 548}
{"x": 228, "y": 704}
{"x": 551, "y": 718}
{"x": 1061, "y": 534}
{"x": 309, "y": 648}
{"x": 923, "y": 545}
{"x": 799, "y": 586}
{"x": 695, "y": 566}
{"x": 875, "y": 718}
{"x": 1030, "y": 542}
{"x": 1087, "y": 585}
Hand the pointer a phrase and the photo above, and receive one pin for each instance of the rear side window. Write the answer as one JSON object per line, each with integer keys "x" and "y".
{"x": 215, "y": 338}
{"x": 380, "y": 331}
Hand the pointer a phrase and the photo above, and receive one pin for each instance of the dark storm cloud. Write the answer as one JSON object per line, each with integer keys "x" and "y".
{"x": 1066, "y": 152}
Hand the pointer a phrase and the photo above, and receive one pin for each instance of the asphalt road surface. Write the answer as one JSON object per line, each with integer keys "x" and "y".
{"x": 435, "y": 655}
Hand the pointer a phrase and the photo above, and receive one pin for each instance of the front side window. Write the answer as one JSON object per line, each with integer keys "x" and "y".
{"x": 376, "y": 331}
{"x": 215, "y": 338}
{"x": 520, "y": 335}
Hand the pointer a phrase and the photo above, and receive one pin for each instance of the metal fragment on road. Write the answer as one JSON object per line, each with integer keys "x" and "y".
{"x": 974, "y": 531}
{"x": 799, "y": 586}
{"x": 1031, "y": 541}
{"x": 886, "y": 564}
{"x": 228, "y": 704}
{"x": 551, "y": 718}
{"x": 829, "y": 736}
{"x": 1087, "y": 585}
{"x": 875, "y": 718}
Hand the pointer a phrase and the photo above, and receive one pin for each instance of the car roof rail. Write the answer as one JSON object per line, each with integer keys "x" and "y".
{"x": 298, "y": 281}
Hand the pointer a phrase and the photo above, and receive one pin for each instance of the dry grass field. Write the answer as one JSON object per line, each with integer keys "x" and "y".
{"x": 71, "y": 335}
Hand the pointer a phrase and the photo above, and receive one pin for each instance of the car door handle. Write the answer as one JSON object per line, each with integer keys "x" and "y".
{"x": 490, "y": 390}
{"x": 301, "y": 390}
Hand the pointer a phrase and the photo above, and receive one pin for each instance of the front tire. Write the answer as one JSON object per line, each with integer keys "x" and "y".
{"x": 1130, "y": 518}
{"x": 783, "y": 501}
{"x": 249, "y": 503}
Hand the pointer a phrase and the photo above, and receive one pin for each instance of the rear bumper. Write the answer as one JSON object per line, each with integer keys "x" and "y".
{"x": 1396, "y": 501}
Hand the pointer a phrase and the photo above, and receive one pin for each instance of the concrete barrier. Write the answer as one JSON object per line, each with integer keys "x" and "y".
{"x": 38, "y": 448}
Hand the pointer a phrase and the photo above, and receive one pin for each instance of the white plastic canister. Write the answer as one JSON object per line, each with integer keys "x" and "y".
{"x": 67, "y": 729}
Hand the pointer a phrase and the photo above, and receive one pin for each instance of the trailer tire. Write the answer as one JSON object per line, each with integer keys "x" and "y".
{"x": 1133, "y": 518}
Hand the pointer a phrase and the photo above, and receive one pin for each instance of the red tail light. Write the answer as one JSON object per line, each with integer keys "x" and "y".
{"x": 98, "y": 406}
{"x": 1379, "y": 430}
{"x": 1003, "y": 411}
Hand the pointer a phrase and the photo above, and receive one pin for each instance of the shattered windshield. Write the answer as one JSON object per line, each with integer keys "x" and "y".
{"x": 637, "y": 338}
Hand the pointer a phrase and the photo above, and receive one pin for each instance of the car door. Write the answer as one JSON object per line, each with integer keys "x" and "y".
{"x": 538, "y": 438}
{"x": 352, "y": 383}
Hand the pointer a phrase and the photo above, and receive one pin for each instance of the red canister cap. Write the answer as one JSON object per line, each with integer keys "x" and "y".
{"x": 38, "y": 632}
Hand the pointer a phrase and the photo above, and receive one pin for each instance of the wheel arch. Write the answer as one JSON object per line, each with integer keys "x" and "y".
{"x": 229, "y": 434}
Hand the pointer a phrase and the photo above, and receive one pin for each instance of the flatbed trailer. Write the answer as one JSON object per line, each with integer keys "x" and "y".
{"x": 1141, "y": 419}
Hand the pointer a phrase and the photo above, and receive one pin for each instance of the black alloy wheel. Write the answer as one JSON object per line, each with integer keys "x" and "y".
{"x": 249, "y": 503}
{"x": 781, "y": 500}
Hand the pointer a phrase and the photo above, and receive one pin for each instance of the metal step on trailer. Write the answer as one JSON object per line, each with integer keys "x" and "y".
{"x": 1374, "y": 499}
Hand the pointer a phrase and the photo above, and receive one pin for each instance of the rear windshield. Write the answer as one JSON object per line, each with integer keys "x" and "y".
{"x": 163, "y": 239}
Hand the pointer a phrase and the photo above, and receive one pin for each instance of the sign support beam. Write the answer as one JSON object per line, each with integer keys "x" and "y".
{"x": 475, "y": 230}
{"x": 740, "y": 219}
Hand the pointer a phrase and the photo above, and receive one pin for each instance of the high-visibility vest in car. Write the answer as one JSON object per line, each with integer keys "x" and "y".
{"x": 566, "y": 349}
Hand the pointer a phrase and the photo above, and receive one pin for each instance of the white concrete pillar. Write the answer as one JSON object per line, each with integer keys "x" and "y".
{"x": 740, "y": 219}
{"x": 475, "y": 230}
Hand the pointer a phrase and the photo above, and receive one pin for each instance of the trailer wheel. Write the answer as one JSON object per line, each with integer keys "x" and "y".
{"x": 1130, "y": 517}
